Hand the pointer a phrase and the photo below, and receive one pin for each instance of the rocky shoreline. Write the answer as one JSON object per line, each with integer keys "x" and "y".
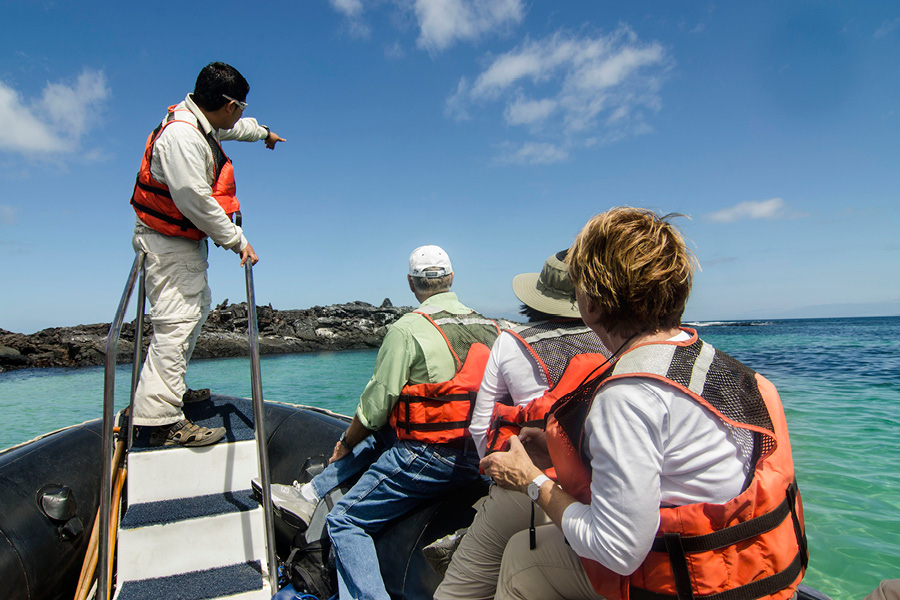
{"x": 335, "y": 327}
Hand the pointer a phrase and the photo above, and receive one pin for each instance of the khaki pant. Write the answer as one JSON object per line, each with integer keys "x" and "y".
{"x": 473, "y": 571}
{"x": 180, "y": 298}
{"x": 889, "y": 589}
{"x": 552, "y": 571}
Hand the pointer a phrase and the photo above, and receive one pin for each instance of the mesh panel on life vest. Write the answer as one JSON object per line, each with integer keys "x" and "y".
{"x": 556, "y": 344}
{"x": 462, "y": 331}
{"x": 219, "y": 158}
{"x": 571, "y": 412}
{"x": 726, "y": 384}
{"x": 741, "y": 402}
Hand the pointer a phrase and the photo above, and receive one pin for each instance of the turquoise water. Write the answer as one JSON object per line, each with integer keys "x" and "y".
{"x": 838, "y": 380}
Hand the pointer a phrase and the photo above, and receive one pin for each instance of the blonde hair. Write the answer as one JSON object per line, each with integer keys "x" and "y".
{"x": 636, "y": 267}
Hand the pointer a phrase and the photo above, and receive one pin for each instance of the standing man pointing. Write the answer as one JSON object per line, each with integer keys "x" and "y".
{"x": 185, "y": 193}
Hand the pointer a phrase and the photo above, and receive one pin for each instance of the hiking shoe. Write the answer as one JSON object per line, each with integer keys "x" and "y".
{"x": 194, "y": 396}
{"x": 185, "y": 433}
{"x": 439, "y": 552}
{"x": 296, "y": 510}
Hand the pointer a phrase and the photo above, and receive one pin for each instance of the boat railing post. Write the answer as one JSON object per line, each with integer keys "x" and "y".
{"x": 260, "y": 427}
{"x": 138, "y": 348}
{"x": 109, "y": 393}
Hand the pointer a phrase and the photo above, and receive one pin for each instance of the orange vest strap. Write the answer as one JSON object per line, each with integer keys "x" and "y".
{"x": 734, "y": 534}
{"x": 184, "y": 223}
{"x": 759, "y": 588}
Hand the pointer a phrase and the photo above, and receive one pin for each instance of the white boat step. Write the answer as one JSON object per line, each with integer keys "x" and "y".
{"x": 239, "y": 581}
{"x": 193, "y": 545}
{"x": 182, "y": 509}
{"x": 176, "y": 472}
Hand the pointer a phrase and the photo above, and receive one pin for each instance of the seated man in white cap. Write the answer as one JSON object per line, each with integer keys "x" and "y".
{"x": 525, "y": 363}
{"x": 410, "y": 431}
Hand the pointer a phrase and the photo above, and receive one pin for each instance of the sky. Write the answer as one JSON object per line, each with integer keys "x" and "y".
{"x": 493, "y": 128}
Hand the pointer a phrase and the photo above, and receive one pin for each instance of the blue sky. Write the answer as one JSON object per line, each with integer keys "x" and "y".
{"x": 493, "y": 128}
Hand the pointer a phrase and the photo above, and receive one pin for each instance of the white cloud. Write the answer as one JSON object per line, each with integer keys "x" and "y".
{"x": 21, "y": 130}
{"x": 887, "y": 28}
{"x": 57, "y": 121}
{"x": 579, "y": 89}
{"x": 533, "y": 153}
{"x": 353, "y": 10}
{"x": 394, "y": 51}
{"x": 772, "y": 208}
{"x": 348, "y": 8}
{"x": 8, "y": 214}
{"x": 456, "y": 105}
{"x": 442, "y": 23}
{"x": 524, "y": 111}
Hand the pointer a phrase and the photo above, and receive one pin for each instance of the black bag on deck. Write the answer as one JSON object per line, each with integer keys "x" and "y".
{"x": 310, "y": 567}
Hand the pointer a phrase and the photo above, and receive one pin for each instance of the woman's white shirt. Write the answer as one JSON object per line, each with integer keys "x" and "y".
{"x": 511, "y": 372}
{"x": 651, "y": 445}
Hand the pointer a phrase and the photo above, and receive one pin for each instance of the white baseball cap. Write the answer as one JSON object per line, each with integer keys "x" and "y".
{"x": 429, "y": 261}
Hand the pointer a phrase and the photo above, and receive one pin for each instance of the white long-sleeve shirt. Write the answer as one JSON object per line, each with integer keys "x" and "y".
{"x": 511, "y": 372}
{"x": 651, "y": 445}
{"x": 183, "y": 161}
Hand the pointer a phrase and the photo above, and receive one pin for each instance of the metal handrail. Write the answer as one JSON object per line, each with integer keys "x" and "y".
{"x": 138, "y": 359}
{"x": 138, "y": 275}
{"x": 104, "y": 576}
{"x": 260, "y": 427}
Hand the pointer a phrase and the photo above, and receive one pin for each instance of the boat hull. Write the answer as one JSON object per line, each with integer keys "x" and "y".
{"x": 36, "y": 563}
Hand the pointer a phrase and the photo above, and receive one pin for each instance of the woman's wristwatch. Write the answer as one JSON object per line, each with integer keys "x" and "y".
{"x": 534, "y": 488}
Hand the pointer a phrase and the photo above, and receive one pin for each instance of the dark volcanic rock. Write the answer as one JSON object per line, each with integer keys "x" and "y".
{"x": 335, "y": 327}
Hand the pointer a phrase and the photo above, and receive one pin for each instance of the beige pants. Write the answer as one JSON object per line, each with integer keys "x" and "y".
{"x": 552, "y": 571}
{"x": 889, "y": 589}
{"x": 180, "y": 298}
{"x": 473, "y": 571}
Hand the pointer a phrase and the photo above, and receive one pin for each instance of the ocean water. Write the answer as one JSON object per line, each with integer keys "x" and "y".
{"x": 839, "y": 380}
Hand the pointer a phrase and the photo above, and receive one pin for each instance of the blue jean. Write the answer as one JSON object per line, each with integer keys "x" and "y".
{"x": 404, "y": 475}
{"x": 360, "y": 458}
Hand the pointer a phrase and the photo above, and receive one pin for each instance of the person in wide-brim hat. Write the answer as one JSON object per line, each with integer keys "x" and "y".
{"x": 551, "y": 291}
{"x": 525, "y": 362}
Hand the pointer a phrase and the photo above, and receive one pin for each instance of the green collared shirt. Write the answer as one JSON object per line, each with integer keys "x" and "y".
{"x": 413, "y": 351}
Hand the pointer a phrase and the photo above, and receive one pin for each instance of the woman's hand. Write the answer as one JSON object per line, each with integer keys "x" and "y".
{"x": 535, "y": 441}
{"x": 512, "y": 469}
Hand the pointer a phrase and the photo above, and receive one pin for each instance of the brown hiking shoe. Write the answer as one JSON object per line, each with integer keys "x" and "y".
{"x": 185, "y": 433}
{"x": 194, "y": 396}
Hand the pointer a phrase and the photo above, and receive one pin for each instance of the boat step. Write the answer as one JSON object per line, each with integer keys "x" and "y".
{"x": 191, "y": 545}
{"x": 235, "y": 417}
{"x": 181, "y": 509}
{"x": 177, "y": 472}
{"x": 242, "y": 581}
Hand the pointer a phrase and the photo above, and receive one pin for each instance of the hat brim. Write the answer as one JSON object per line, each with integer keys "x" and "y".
{"x": 525, "y": 289}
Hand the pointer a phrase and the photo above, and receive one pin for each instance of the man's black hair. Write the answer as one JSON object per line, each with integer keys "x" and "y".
{"x": 216, "y": 79}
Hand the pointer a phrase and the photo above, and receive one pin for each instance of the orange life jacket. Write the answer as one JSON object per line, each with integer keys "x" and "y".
{"x": 752, "y": 546}
{"x": 440, "y": 413}
{"x": 567, "y": 354}
{"x": 152, "y": 200}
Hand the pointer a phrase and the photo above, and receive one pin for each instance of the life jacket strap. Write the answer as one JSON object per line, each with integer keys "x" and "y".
{"x": 678, "y": 547}
{"x": 433, "y": 426}
{"x": 184, "y": 223}
{"x": 798, "y": 528}
{"x": 759, "y": 588}
{"x": 407, "y": 400}
{"x": 731, "y": 535}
